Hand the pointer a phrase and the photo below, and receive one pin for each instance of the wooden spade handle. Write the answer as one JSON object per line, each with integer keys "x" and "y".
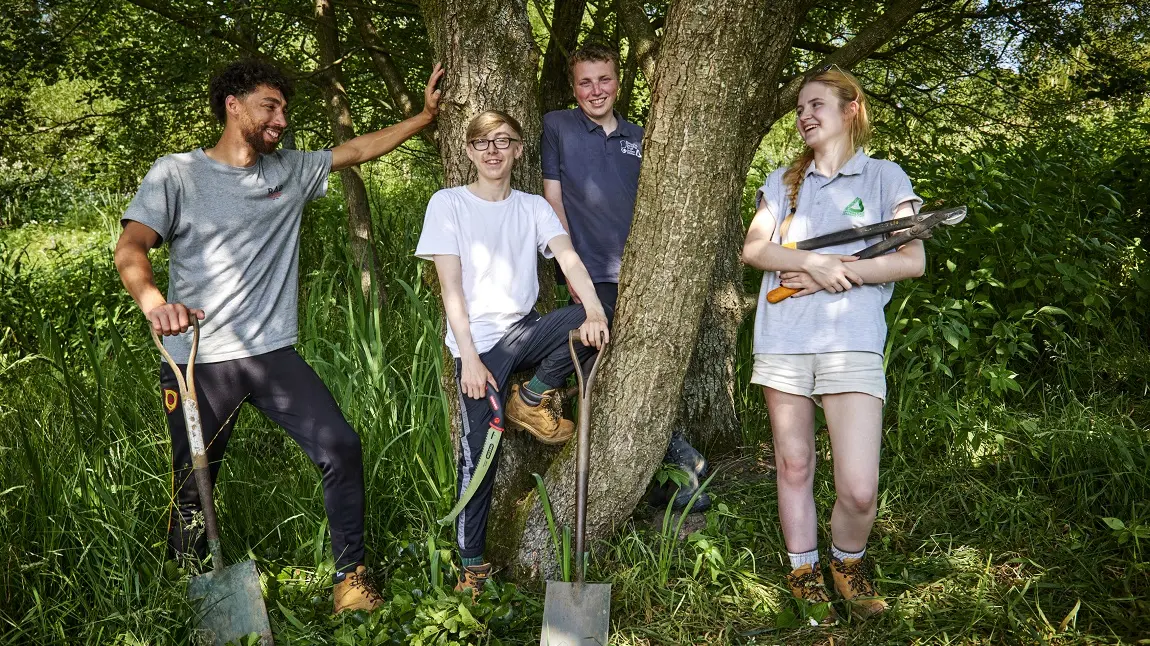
{"x": 780, "y": 293}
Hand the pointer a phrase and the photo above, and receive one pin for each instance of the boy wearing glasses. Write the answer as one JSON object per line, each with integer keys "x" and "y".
{"x": 590, "y": 158}
{"x": 485, "y": 239}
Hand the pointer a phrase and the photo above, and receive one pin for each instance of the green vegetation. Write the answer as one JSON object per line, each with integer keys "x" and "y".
{"x": 1014, "y": 497}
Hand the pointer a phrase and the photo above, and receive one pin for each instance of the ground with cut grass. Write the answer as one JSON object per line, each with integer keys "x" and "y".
{"x": 1014, "y": 497}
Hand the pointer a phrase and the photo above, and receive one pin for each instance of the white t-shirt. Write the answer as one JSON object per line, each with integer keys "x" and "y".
{"x": 498, "y": 245}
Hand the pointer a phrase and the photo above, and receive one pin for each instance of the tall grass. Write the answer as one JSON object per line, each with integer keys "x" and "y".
{"x": 1006, "y": 515}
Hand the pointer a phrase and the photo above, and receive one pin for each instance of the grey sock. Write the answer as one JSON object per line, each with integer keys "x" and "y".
{"x": 841, "y": 555}
{"x": 801, "y": 559}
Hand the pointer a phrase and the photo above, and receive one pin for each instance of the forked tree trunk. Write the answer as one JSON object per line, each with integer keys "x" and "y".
{"x": 342, "y": 128}
{"x": 713, "y": 81}
{"x": 707, "y": 412}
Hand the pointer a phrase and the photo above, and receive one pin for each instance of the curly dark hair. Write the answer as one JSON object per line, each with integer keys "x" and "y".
{"x": 240, "y": 79}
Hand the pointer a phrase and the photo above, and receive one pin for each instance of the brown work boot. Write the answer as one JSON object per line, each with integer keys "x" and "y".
{"x": 473, "y": 577}
{"x": 855, "y": 586}
{"x": 806, "y": 583}
{"x": 542, "y": 421}
{"x": 356, "y": 592}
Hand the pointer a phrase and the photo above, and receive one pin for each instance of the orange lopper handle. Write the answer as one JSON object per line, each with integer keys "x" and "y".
{"x": 780, "y": 294}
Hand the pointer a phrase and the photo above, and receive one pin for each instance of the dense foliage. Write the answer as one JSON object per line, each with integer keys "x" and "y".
{"x": 1016, "y": 479}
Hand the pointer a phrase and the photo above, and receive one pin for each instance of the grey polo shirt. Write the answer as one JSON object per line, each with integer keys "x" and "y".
{"x": 864, "y": 191}
{"x": 599, "y": 174}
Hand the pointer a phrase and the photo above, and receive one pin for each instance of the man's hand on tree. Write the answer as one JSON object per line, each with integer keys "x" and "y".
{"x": 475, "y": 377}
{"x": 431, "y": 95}
{"x": 172, "y": 318}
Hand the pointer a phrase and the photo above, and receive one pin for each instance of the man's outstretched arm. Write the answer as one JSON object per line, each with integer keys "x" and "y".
{"x": 373, "y": 145}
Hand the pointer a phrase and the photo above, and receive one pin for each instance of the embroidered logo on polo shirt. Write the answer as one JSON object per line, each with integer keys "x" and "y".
{"x": 854, "y": 209}
{"x": 275, "y": 193}
{"x": 630, "y": 148}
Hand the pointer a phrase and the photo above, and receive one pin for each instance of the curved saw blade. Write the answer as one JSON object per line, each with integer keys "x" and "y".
{"x": 494, "y": 434}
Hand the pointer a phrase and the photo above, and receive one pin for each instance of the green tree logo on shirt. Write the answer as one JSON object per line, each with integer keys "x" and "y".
{"x": 854, "y": 209}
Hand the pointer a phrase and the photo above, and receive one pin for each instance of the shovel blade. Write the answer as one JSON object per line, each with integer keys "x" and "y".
{"x": 576, "y": 614}
{"x": 229, "y": 605}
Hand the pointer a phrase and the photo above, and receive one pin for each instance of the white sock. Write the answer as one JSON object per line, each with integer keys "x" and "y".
{"x": 841, "y": 555}
{"x": 799, "y": 560}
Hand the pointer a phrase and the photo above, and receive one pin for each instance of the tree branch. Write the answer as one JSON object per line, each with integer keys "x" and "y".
{"x": 640, "y": 34}
{"x": 202, "y": 26}
{"x": 384, "y": 65}
{"x": 865, "y": 43}
{"x": 554, "y": 89}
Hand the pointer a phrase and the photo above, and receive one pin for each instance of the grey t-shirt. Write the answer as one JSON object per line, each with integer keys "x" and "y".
{"x": 233, "y": 237}
{"x": 864, "y": 191}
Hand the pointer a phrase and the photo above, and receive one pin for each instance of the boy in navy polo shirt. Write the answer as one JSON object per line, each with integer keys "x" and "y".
{"x": 591, "y": 157}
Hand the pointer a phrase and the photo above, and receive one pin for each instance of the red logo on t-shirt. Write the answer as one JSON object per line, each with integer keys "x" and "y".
{"x": 275, "y": 193}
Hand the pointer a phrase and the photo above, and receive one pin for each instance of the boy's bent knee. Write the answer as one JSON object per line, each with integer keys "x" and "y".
{"x": 342, "y": 445}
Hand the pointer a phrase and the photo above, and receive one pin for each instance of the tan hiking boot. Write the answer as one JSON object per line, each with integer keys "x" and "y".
{"x": 356, "y": 592}
{"x": 806, "y": 584}
{"x": 542, "y": 421}
{"x": 855, "y": 586}
{"x": 473, "y": 577}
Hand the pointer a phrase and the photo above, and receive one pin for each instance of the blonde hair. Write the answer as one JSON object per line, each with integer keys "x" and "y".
{"x": 846, "y": 88}
{"x": 485, "y": 122}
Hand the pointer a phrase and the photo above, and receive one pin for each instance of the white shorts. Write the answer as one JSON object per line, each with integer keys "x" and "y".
{"x": 826, "y": 373}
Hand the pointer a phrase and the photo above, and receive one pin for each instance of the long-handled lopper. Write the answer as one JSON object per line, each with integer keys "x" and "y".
{"x": 914, "y": 227}
{"x": 579, "y": 613}
{"x": 230, "y": 604}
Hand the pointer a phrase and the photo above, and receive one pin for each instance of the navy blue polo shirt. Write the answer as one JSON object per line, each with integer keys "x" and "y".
{"x": 599, "y": 174}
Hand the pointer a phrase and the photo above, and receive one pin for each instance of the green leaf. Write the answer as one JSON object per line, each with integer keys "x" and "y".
{"x": 466, "y": 617}
{"x": 951, "y": 337}
{"x": 1114, "y": 523}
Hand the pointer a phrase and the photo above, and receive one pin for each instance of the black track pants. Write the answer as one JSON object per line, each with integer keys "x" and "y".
{"x": 534, "y": 342}
{"x": 282, "y": 386}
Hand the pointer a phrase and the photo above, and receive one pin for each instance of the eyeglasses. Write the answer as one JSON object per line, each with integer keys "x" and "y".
{"x": 501, "y": 143}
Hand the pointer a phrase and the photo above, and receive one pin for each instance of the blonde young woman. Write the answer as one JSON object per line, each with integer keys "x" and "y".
{"x": 824, "y": 345}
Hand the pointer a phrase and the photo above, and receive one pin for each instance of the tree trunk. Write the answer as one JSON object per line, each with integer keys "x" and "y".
{"x": 554, "y": 86}
{"x": 342, "y": 128}
{"x": 707, "y": 413}
{"x": 717, "y": 69}
{"x": 627, "y": 86}
{"x": 641, "y": 37}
